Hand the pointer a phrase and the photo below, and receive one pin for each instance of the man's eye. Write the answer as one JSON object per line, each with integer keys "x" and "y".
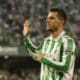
{"x": 51, "y": 17}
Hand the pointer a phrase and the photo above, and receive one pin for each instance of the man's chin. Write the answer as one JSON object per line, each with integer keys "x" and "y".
{"x": 51, "y": 30}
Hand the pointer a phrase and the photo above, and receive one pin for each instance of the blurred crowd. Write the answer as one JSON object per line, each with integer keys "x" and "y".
{"x": 14, "y": 12}
{"x": 32, "y": 74}
{"x": 19, "y": 68}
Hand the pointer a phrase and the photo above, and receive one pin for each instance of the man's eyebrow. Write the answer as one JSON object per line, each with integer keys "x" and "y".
{"x": 51, "y": 17}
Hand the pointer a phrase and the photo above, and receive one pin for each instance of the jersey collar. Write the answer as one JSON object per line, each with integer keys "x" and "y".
{"x": 59, "y": 37}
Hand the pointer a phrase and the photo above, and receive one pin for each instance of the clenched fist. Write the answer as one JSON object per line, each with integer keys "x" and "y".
{"x": 26, "y": 29}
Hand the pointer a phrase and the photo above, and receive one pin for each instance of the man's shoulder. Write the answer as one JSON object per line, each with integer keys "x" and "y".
{"x": 67, "y": 37}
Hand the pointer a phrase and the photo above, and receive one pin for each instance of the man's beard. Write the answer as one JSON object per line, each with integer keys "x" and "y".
{"x": 52, "y": 30}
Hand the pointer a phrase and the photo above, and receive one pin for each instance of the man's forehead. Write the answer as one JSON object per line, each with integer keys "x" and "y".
{"x": 52, "y": 14}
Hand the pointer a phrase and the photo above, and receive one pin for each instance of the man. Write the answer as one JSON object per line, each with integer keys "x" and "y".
{"x": 57, "y": 52}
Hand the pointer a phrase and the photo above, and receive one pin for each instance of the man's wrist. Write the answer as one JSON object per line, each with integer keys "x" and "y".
{"x": 26, "y": 34}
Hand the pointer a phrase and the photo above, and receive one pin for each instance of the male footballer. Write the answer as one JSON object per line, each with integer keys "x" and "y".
{"x": 57, "y": 52}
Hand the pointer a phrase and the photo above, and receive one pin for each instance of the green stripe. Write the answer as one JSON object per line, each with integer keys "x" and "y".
{"x": 61, "y": 54}
{"x": 28, "y": 45}
{"x": 53, "y": 75}
{"x": 61, "y": 76}
{"x": 61, "y": 49}
{"x": 76, "y": 51}
{"x": 70, "y": 44}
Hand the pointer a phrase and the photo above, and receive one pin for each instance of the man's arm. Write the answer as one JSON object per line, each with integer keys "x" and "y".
{"x": 68, "y": 57}
{"x": 27, "y": 41}
{"x": 30, "y": 46}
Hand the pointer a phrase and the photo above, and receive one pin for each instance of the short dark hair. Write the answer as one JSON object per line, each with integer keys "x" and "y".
{"x": 61, "y": 13}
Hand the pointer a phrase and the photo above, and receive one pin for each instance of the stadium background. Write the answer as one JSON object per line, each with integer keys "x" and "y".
{"x": 15, "y": 63}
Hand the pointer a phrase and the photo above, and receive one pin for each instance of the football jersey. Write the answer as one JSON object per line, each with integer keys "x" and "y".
{"x": 59, "y": 56}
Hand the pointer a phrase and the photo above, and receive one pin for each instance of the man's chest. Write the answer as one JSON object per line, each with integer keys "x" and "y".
{"x": 52, "y": 49}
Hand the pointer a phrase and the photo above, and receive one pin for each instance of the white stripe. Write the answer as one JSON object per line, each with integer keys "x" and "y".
{"x": 44, "y": 45}
{"x": 55, "y": 47}
{"x": 66, "y": 44}
{"x": 49, "y": 46}
{"x": 57, "y": 77}
{"x": 42, "y": 71}
{"x": 74, "y": 46}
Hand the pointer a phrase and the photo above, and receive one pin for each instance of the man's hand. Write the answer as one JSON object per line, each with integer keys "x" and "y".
{"x": 39, "y": 56}
{"x": 26, "y": 29}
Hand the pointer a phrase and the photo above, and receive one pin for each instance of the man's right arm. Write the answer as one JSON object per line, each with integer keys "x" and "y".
{"x": 31, "y": 48}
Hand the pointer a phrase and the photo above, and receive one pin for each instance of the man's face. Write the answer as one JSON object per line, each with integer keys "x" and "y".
{"x": 53, "y": 22}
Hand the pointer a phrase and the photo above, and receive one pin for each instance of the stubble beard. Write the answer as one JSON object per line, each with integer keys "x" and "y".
{"x": 52, "y": 30}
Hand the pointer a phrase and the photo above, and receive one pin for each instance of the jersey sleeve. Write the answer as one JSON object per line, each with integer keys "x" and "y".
{"x": 68, "y": 57}
{"x": 31, "y": 48}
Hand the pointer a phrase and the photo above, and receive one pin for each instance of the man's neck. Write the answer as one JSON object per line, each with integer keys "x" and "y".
{"x": 56, "y": 34}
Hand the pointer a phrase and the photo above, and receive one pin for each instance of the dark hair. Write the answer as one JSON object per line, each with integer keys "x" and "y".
{"x": 61, "y": 13}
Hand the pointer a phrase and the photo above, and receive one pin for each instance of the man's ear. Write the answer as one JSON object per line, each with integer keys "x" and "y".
{"x": 62, "y": 22}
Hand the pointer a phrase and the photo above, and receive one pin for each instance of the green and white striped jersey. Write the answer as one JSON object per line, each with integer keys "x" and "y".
{"x": 59, "y": 56}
